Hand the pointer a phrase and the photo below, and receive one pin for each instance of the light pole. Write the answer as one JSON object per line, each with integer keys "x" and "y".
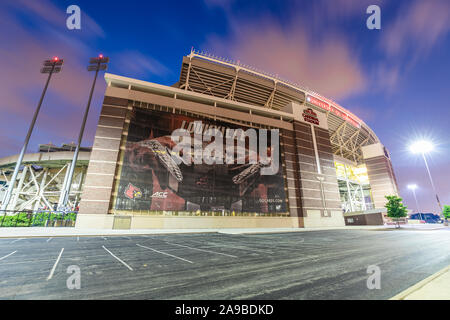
{"x": 413, "y": 188}
{"x": 95, "y": 64}
{"x": 423, "y": 147}
{"x": 50, "y": 66}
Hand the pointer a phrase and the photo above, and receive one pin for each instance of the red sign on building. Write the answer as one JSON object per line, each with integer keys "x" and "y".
{"x": 310, "y": 116}
{"x": 318, "y": 103}
{"x": 326, "y": 106}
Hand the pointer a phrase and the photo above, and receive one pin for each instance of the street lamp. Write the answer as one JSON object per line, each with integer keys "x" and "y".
{"x": 95, "y": 64}
{"x": 423, "y": 147}
{"x": 413, "y": 188}
{"x": 50, "y": 67}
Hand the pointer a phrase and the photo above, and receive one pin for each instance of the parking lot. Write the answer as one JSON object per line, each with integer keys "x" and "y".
{"x": 305, "y": 265}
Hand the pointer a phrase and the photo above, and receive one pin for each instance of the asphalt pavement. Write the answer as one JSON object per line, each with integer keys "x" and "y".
{"x": 329, "y": 264}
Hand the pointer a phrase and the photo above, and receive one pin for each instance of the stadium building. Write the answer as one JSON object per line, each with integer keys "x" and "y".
{"x": 331, "y": 162}
{"x": 43, "y": 176}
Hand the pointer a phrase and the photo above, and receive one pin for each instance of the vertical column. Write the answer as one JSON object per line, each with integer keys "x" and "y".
{"x": 320, "y": 201}
{"x": 103, "y": 161}
{"x": 66, "y": 177}
{"x": 292, "y": 172}
{"x": 381, "y": 174}
{"x": 13, "y": 203}
{"x": 328, "y": 171}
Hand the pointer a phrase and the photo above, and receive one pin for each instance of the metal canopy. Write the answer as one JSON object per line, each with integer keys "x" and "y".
{"x": 222, "y": 78}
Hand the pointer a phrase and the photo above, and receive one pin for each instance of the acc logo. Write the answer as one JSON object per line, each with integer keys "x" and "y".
{"x": 160, "y": 195}
{"x": 310, "y": 116}
{"x": 133, "y": 192}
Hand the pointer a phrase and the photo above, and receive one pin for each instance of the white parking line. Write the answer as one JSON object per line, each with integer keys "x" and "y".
{"x": 49, "y": 239}
{"x": 167, "y": 254}
{"x": 8, "y": 255}
{"x": 240, "y": 248}
{"x": 78, "y": 239}
{"x": 17, "y": 240}
{"x": 118, "y": 259}
{"x": 54, "y": 266}
{"x": 223, "y": 254}
{"x": 128, "y": 238}
{"x": 231, "y": 247}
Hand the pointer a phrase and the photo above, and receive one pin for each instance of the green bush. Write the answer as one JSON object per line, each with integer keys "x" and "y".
{"x": 18, "y": 220}
{"x": 28, "y": 219}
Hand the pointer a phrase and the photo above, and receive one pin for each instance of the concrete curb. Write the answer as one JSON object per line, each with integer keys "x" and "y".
{"x": 98, "y": 234}
{"x": 73, "y": 232}
{"x": 40, "y": 232}
{"x": 403, "y": 295}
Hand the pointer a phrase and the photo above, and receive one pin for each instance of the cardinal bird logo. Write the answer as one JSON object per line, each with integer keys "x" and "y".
{"x": 132, "y": 192}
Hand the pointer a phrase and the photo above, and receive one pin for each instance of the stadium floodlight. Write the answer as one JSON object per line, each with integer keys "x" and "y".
{"x": 413, "y": 188}
{"x": 50, "y": 67}
{"x": 95, "y": 64}
{"x": 423, "y": 147}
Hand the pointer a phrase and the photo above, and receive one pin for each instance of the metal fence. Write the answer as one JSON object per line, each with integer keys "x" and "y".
{"x": 26, "y": 218}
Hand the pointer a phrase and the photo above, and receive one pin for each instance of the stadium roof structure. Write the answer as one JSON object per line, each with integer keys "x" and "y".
{"x": 50, "y": 147}
{"x": 211, "y": 75}
{"x": 55, "y": 159}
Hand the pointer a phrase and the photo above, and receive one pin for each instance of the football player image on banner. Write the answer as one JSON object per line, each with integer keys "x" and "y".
{"x": 151, "y": 179}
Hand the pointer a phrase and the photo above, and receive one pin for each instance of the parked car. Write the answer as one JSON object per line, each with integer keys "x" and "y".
{"x": 426, "y": 217}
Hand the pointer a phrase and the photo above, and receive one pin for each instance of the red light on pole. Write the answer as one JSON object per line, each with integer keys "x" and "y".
{"x": 51, "y": 66}
{"x": 100, "y": 56}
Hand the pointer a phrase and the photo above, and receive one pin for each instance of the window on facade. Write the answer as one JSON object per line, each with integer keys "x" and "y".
{"x": 354, "y": 187}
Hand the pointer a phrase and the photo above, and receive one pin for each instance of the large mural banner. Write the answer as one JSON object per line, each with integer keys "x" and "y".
{"x": 159, "y": 175}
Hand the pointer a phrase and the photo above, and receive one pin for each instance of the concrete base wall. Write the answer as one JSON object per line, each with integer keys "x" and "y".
{"x": 315, "y": 219}
{"x": 92, "y": 221}
{"x": 375, "y": 219}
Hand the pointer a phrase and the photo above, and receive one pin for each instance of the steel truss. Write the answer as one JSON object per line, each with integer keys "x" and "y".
{"x": 242, "y": 83}
{"x": 38, "y": 187}
{"x": 347, "y": 141}
{"x": 354, "y": 197}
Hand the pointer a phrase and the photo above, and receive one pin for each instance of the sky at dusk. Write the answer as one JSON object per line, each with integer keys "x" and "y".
{"x": 396, "y": 79}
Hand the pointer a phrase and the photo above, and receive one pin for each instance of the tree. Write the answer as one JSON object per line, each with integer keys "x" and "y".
{"x": 446, "y": 212}
{"x": 395, "y": 208}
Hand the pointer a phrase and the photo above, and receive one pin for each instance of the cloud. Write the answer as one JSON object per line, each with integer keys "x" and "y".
{"x": 9, "y": 145}
{"x": 385, "y": 77}
{"x": 338, "y": 9}
{"x": 23, "y": 49}
{"x": 50, "y": 15}
{"x": 418, "y": 28}
{"x": 138, "y": 64}
{"x": 327, "y": 65}
{"x": 416, "y": 31}
{"x": 364, "y": 113}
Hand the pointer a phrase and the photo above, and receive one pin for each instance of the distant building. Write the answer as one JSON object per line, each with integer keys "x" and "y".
{"x": 42, "y": 176}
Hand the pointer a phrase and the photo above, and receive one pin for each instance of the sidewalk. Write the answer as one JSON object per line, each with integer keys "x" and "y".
{"x": 70, "y": 232}
{"x": 435, "y": 287}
